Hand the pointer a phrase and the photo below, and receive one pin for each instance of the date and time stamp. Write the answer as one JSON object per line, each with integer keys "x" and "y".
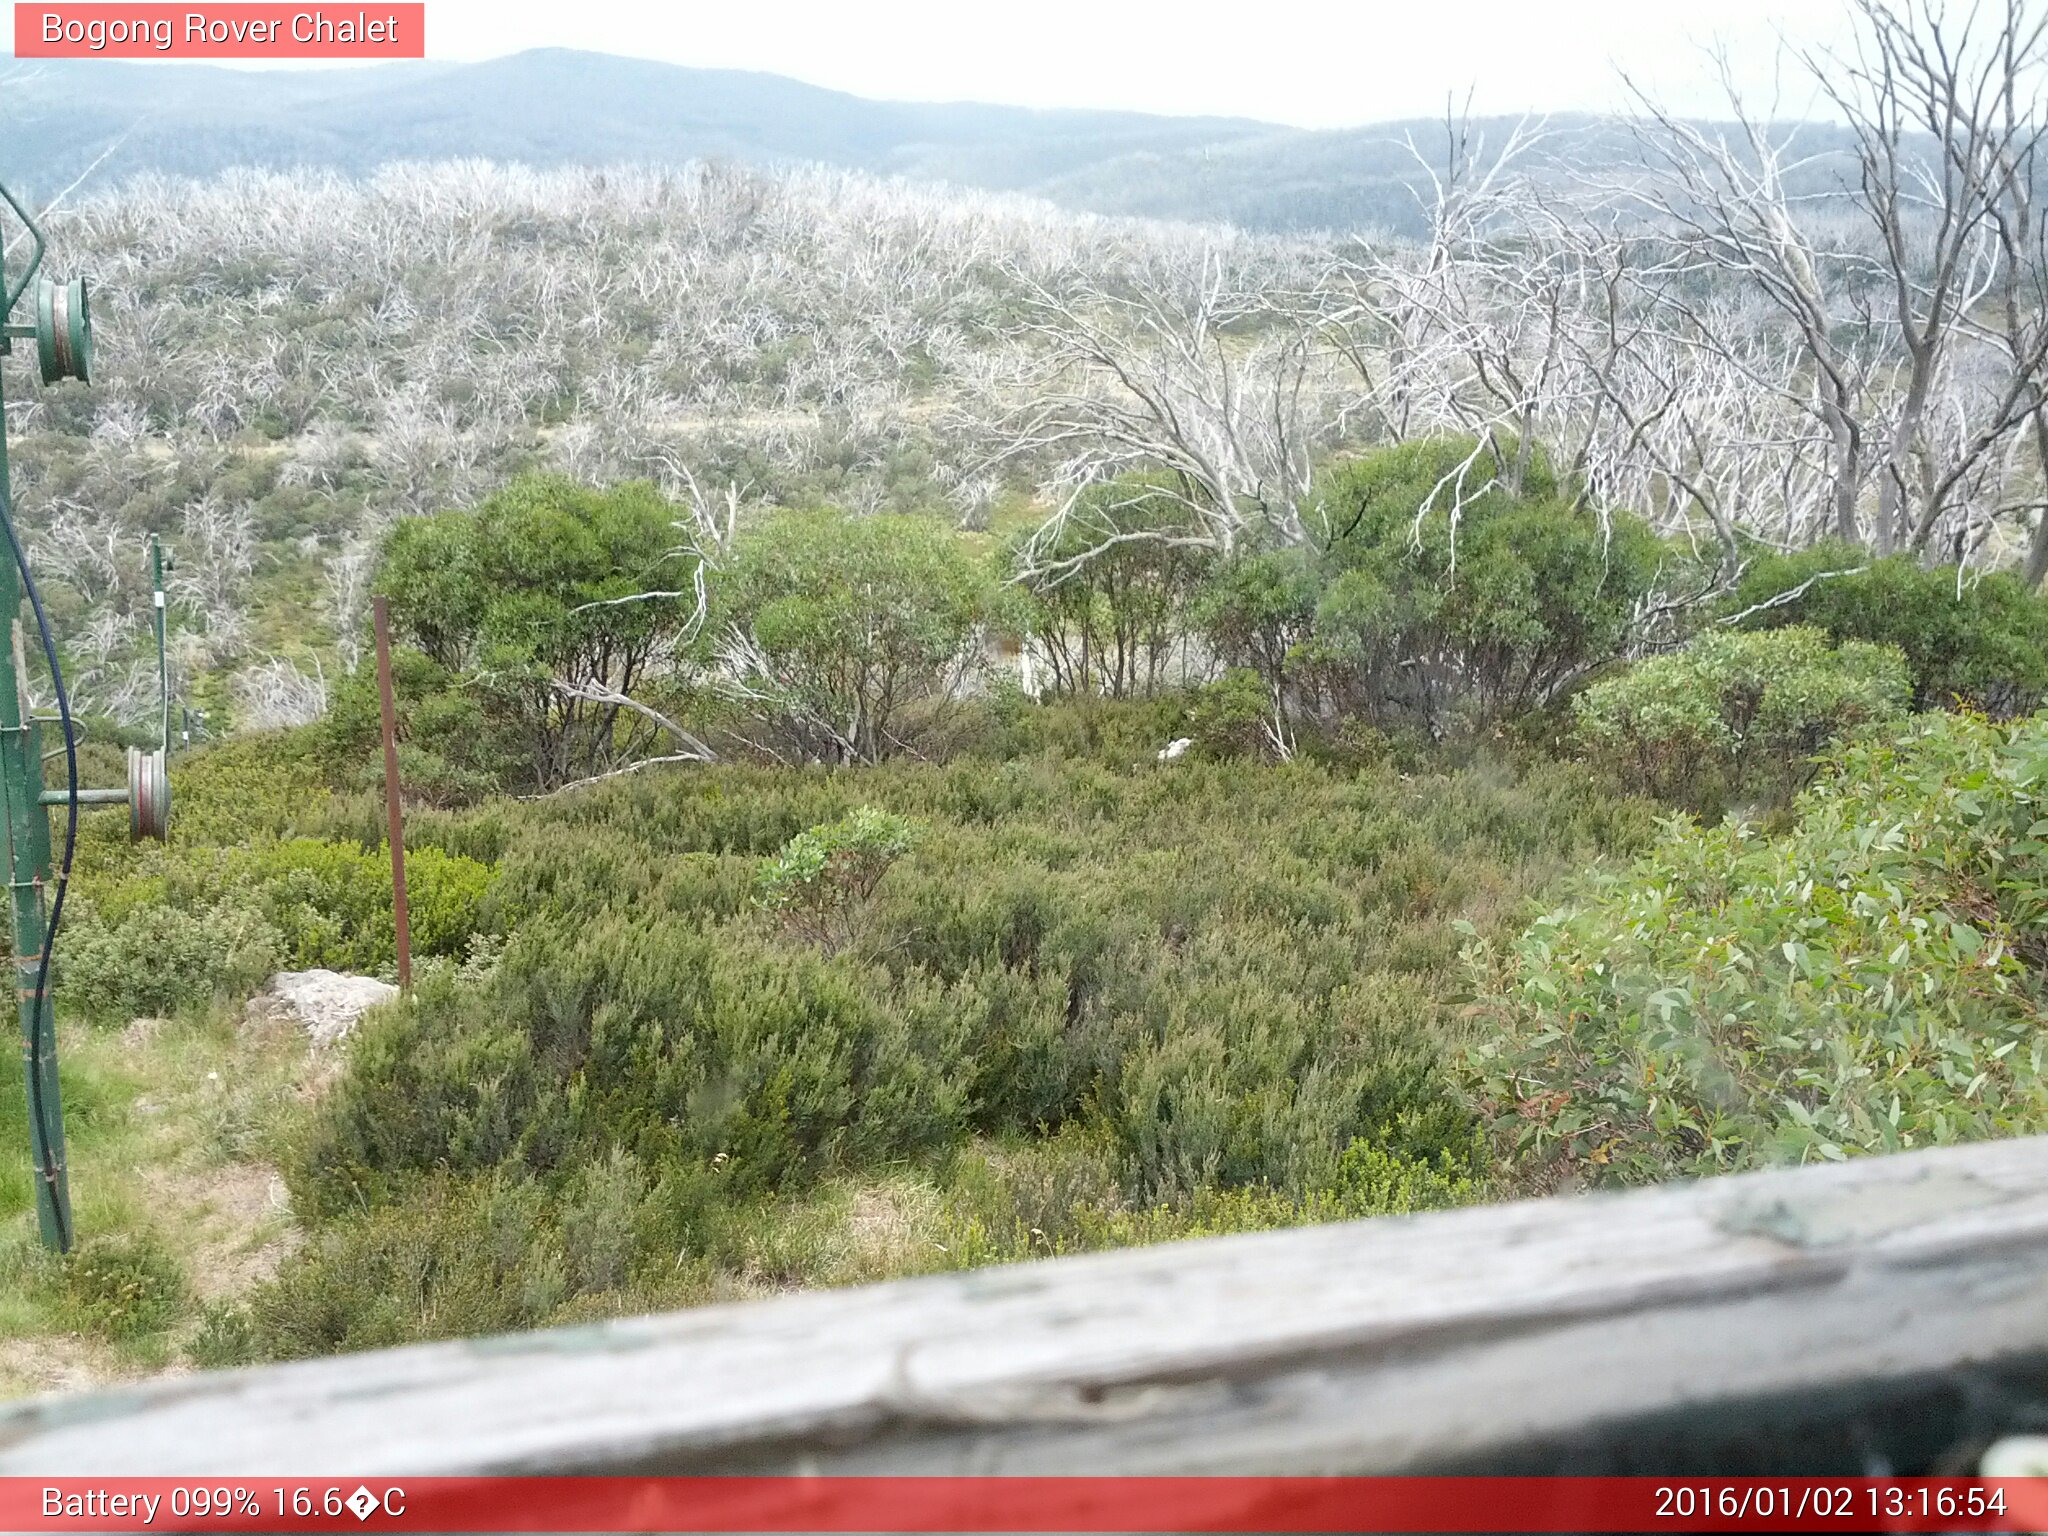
{"x": 1866, "y": 1504}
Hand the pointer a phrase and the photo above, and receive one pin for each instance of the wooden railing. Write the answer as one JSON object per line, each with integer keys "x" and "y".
{"x": 1858, "y": 1317}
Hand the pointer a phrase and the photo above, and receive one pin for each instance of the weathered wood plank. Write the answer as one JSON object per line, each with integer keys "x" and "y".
{"x": 1373, "y": 1346}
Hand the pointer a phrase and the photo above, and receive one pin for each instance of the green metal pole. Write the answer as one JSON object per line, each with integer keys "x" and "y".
{"x": 21, "y": 786}
{"x": 163, "y": 654}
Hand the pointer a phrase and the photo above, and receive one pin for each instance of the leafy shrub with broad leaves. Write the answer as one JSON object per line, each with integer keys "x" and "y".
{"x": 1976, "y": 640}
{"x": 1738, "y": 712}
{"x": 1867, "y": 981}
{"x": 823, "y": 882}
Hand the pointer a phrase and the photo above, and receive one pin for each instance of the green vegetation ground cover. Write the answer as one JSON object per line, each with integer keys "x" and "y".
{"x": 1869, "y": 979}
{"x": 920, "y": 976}
{"x": 1097, "y": 1000}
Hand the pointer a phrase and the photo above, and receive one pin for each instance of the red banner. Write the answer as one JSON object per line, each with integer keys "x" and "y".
{"x": 224, "y": 31}
{"x": 1005, "y": 1504}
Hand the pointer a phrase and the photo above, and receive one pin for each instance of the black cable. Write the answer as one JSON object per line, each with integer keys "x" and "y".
{"x": 42, "y": 1010}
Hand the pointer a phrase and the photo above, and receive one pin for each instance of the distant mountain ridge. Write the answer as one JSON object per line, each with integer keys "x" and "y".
{"x": 560, "y": 106}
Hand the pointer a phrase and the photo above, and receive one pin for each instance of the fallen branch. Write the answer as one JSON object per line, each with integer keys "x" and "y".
{"x": 1792, "y": 595}
{"x": 597, "y": 693}
{"x": 615, "y": 773}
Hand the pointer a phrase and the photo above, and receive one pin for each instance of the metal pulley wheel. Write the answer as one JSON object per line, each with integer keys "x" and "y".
{"x": 64, "y": 330}
{"x": 149, "y": 796}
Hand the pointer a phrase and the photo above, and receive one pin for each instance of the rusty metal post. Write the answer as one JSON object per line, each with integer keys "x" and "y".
{"x": 392, "y": 809}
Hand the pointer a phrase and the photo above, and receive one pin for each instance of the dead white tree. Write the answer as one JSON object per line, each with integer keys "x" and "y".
{"x": 1902, "y": 271}
{"x": 1466, "y": 334}
{"x": 1186, "y": 368}
{"x": 1733, "y": 208}
{"x": 347, "y": 596}
{"x": 277, "y": 692}
{"x": 216, "y": 559}
{"x": 1933, "y": 100}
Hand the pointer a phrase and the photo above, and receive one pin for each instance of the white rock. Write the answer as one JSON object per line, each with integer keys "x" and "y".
{"x": 1172, "y": 750}
{"x": 326, "y": 1004}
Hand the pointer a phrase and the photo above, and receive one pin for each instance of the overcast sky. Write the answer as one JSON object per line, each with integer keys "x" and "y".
{"x": 1289, "y": 61}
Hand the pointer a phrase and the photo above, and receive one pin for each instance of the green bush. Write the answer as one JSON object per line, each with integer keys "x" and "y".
{"x": 195, "y": 923}
{"x": 1736, "y": 713}
{"x": 457, "y": 1258}
{"x": 332, "y": 902}
{"x": 1446, "y": 598}
{"x": 1256, "y": 610}
{"x": 1222, "y": 977}
{"x": 1060, "y": 1195}
{"x": 1434, "y": 599}
{"x": 226, "y": 1337}
{"x": 843, "y": 628}
{"x": 159, "y": 959}
{"x": 1979, "y": 642}
{"x": 1233, "y": 716}
{"x": 122, "y": 1287}
{"x": 511, "y": 599}
{"x": 1110, "y": 588}
{"x": 823, "y": 884}
{"x": 1868, "y": 981}
{"x": 451, "y": 750}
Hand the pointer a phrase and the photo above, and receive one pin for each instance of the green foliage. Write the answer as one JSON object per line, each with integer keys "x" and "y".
{"x": 823, "y": 883}
{"x": 1108, "y": 602}
{"x": 451, "y": 749}
{"x": 1738, "y": 712}
{"x": 202, "y": 923}
{"x": 855, "y": 625}
{"x": 158, "y": 959}
{"x": 225, "y": 1338}
{"x": 332, "y": 902}
{"x": 1218, "y": 981}
{"x": 1870, "y": 980}
{"x": 1257, "y": 609}
{"x": 123, "y": 1286}
{"x": 1446, "y": 596}
{"x": 243, "y": 889}
{"x": 233, "y": 792}
{"x": 1233, "y": 716}
{"x": 498, "y": 586}
{"x": 513, "y": 597}
{"x": 1436, "y": 599}
{"x": 459, "y": 1258}
{"x": 1981, "y": 643}
{"x": 1060, "y": 1195}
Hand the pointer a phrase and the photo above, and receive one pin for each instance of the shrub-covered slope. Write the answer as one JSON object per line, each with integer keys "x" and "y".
{"x": 1866, "y": 981}
{"x": 1092, "y": 1000}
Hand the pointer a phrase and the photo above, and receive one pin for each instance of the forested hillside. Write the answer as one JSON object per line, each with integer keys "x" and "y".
{"x": 559, "y": 108}
{"x": 548, "y": 108}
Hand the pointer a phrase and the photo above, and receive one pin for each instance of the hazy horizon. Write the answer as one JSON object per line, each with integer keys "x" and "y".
{"x": 1370, "y": 64}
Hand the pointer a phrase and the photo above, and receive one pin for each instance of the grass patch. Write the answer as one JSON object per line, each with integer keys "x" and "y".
{"x": 171, "y": 1129}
